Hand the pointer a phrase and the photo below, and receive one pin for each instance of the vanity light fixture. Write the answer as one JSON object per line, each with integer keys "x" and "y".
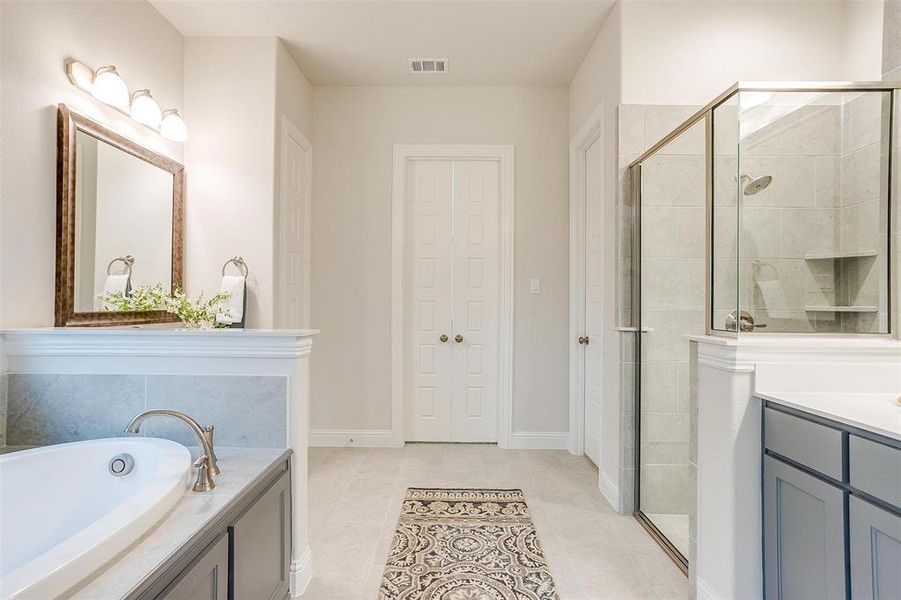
{"x": 107, "y": 86}
{"x": 173, "y": 126}
{"x": 145, "y": 110}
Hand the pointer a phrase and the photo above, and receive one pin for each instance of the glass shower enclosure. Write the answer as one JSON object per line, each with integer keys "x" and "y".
{"x": 769, "y": 211}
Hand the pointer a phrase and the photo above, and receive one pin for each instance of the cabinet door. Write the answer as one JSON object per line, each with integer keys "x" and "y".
{"x": 875, "y": 552}
{"x": 205, "y": 579}
{"x": 262, "y": 545}
{"x": 803, "y": 535}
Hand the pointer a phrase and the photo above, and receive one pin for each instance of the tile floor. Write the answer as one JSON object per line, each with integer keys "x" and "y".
{"x": 594, "y": 554}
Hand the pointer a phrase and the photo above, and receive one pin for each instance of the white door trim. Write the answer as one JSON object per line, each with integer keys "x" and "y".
{"x": 504, "y": 156}
{"x": 290, "y": 130}
{"x": 592, "y": 129}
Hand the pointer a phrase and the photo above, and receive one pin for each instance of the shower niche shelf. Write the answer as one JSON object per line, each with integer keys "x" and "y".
{"x": 842, "y": 309}
{"x": 840, "y": 255}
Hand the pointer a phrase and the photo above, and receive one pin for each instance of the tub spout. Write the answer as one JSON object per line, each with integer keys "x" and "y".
{"x": 206, "y": 465}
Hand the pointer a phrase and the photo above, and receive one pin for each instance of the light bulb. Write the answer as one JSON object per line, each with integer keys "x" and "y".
{"x": 173, "y": 126}
{"x": 144, "y": 109}
{"x": 109, "y": 87}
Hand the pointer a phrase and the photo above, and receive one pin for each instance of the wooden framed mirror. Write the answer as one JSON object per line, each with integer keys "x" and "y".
{"x": 119, "y": 215}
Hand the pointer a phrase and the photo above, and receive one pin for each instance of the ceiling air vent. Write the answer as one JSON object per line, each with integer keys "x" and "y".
{"x": 428, "y": 65}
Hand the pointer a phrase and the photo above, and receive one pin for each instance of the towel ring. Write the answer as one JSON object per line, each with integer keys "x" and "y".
{"x": 128, "y": 260}
{"x": 238, "y": 262}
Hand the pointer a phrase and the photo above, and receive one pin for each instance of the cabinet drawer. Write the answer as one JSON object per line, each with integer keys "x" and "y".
{"x": 810, "y": 444}
{"x": 875, "y": 469}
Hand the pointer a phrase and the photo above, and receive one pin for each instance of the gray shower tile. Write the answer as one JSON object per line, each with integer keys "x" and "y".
{"x": 247, "y": 411}
{"x": 631, "y": 129}
{"x": 660, "y": 120}
{"x": 52, "y": 409}
{"x": 4, "y": 380}
{"x": 891, "y": 37}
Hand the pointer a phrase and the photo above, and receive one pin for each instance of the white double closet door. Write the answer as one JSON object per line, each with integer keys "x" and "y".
{"x": 452, "y": 292}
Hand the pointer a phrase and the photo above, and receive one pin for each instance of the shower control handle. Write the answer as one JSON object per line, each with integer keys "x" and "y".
{"x": 742, "y": 322}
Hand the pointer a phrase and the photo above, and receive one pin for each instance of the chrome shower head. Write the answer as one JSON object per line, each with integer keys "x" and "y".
{"x": 755, "y": 185}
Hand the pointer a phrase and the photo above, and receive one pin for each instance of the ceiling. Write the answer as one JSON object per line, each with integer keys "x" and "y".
{"x": 368, "y": 42}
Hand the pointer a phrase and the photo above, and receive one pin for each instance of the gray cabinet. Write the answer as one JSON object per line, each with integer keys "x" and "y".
{"x": 804, "y": 533}
{"x": 242, "y": 554}
{"x": 875, "y": 552}
{"x": 261, "y": 540}
{"x": 832, "y": 509}
{"x": 207, "y": 578}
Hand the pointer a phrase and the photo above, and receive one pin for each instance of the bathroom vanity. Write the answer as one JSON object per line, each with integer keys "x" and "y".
{"x": 831, "y": 495}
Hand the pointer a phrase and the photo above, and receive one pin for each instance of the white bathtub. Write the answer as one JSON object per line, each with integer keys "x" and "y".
{"x": 63, "y": 515}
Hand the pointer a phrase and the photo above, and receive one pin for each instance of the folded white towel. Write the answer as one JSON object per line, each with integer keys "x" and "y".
{"x": 115, "y": 283}
{"x": 112, "y": 285}
{"x": 232, "y": 310}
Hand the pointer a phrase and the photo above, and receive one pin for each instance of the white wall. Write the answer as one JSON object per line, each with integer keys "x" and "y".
{"x": 236, "y": 89}
{"x": 688, "y": 52}
{"x": 354, "y": 130}
{"x": 36, "y": 38}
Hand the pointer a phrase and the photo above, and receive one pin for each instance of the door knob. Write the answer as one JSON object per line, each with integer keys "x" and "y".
{"x": 443, "y": 337}
{"x": 583, "y": 340}
{"x": 458, "y": 338}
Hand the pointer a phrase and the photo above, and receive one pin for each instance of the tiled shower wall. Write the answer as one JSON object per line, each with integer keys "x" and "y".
{"x": 676, "y": 258}
{"x": 891, "y": 71}
{"x": 825, "y": 197}
{"x": 247, "y": 411}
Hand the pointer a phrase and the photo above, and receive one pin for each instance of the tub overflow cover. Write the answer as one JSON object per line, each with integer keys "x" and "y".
{"x": 121, "y": 465}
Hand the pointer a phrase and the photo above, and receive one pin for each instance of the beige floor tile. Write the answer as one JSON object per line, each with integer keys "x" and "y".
{"x": 594, "y": 554}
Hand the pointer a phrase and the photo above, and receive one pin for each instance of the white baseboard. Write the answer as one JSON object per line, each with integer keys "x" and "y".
{"x": 609, "y": 490}
{"x": 540, "y": 440}
{"x": 350, "y": 438}
{"x": 382, "y": 438}
{"x": 301, "y": 573}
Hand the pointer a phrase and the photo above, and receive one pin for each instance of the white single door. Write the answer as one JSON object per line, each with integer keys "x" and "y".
{"x": 594, "y": 276}
{"x": 451, "y": 320}
{"x": 292, "y": 307}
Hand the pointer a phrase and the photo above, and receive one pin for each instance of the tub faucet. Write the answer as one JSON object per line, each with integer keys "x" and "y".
{"x": 207, "y": 465}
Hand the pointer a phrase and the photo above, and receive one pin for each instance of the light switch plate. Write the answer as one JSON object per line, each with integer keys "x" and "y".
{"x": 535, "y": 285}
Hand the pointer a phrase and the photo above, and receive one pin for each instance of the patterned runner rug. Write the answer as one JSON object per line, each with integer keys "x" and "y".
{"x": 466, "y": 544}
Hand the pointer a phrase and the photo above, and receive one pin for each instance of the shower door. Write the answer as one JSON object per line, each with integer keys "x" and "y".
{"x": 671, "y": 249}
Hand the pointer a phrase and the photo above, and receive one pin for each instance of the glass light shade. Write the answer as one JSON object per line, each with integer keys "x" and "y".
{"x": 144, "y": 109}
{"x": 109, "y": 87}
{"x": 173, "y": 126}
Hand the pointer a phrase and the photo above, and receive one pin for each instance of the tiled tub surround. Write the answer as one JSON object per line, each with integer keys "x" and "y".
{"x": 247, "y": 411}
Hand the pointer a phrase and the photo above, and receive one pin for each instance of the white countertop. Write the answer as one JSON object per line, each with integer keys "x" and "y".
{"x": 877, "y": 413}
{"x": 241, "y": 469}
